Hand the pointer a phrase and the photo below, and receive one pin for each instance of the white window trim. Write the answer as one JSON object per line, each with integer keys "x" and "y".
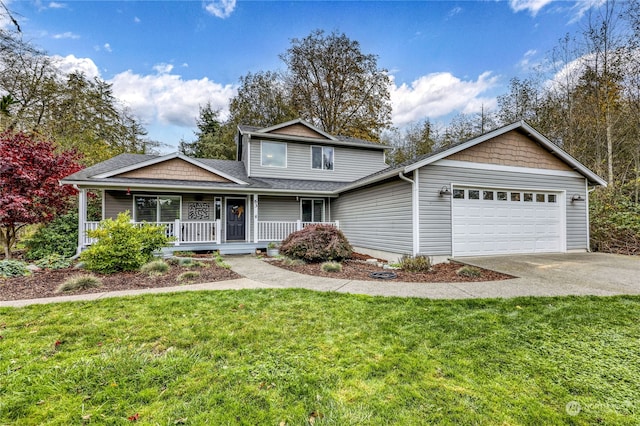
{"x": 322, "y": 147}
{"x": 313, "y": 199}
{"x": 286, "y": 154}
{"x": 135, "y": 212}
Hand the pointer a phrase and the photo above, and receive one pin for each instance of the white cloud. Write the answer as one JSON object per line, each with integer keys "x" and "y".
{"x": 526, "y": 61}
{"x": 582, "y": 7}
{"x": 70, "y": 63}
{"x": 163, "y": 68}
{"x": 136, "y": 19}
{"x": 67, "y": 34}
{"x": 533, "y": 6}
{"x": 221, "y": 8}
{"x": 455, "y": 11}
{"x": 107, "y": 47}
{"x": 56, "y": 5}
{"x": 439, "y": 94}
{"x": 167, "y": 98}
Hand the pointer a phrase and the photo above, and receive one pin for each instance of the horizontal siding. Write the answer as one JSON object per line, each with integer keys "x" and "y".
{"x": 278, "y": 208}
{"x": 116, "y": 202}
{"x": 377, "y": 217}
{"x": 435, "y": 211}
{"x": 350, "y": 164}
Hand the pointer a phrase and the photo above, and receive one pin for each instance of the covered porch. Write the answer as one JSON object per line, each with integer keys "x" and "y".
{"x": 230, "y": 223}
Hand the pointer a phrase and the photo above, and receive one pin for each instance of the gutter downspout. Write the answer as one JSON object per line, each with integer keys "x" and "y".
{"x": 588, "y": 191}
{"x": 415, "y": 210}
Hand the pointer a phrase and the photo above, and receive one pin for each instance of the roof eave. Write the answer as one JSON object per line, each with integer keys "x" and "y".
{"x": 336, "y": 142}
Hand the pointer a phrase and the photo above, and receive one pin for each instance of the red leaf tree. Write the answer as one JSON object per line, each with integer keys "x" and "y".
{"x": 30, "y": 170}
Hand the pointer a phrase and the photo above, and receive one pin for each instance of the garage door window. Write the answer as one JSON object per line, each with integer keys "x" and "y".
{"x": 515, "y": 196}
{"x": 540, "y": 198}
{"x": 551, "y": 198}
{"x": 458, "y": 193}
{"x": 502, "y": 196}
{"x": 474, "y": 194}
{"x": 528, "y": 197}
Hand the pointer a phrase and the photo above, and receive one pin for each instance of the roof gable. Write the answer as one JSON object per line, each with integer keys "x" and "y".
{"x": 511, "y": 149}
{"x": 297, "y": 127}
{"x": 528, "y": 132}
{"x": 173, "y": 167}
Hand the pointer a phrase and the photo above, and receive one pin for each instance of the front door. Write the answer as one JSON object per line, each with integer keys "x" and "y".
{"x": 236, "y": 213}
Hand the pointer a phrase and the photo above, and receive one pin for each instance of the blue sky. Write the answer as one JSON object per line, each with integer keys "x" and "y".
{"x": 165, "y": 58}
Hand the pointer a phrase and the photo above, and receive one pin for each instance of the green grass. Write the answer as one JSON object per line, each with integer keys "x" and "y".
{"x": 270, "y": 356}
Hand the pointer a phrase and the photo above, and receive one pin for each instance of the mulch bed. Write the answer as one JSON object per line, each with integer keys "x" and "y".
{"x": 360, "y": 270}
{"x": 45, "y": 282}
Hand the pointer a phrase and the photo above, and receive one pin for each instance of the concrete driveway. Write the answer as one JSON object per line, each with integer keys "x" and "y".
{"x": 567, "y": 273}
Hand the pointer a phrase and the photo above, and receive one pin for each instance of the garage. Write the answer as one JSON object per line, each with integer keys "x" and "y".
{"x": 490, "y": 221}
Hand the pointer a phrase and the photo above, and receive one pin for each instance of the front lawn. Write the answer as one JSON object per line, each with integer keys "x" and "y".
{"x": 298, "y": 357}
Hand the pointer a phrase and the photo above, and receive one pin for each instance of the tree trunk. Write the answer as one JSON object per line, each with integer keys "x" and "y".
{"x": 5, "y": 239}
{"x": 610, "y": 181}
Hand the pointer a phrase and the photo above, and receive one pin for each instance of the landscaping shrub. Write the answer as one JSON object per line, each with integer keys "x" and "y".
{"x": 317, "y": 243}
{"x": 188, "y": 276}
{"x": 122, "y": 246}
{"x": 156, "y": 267}
{"x": 13, "y": 268}
{"x": 57, "y": 237}
{"x": 415, "y": 264}
{"x": 469, "y": 272}
{"x": 615, "y": 221}
{"x": 53, "y": 261}
{"x": 287, "y": 261}
{"x": 331, "y": 267}
{"x": 79, "y": 282}
{"x": 220, "y": 261}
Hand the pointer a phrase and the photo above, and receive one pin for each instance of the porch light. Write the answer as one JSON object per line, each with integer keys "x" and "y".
{"x": 444, "y": 191}
{"x": 576, "y": 197}
{"x": 128, "y": 191}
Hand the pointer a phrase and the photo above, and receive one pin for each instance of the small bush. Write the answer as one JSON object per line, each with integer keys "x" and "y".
{"x": 60, "y": 236}
{"x": 156, "y": 267}
{"x": 13, "y": 268}
{"x": 469, "y": 272}
{"x": 317, "y": 243}
{"x": 188, "y": 276}
{"x": 220, "y": 261}
{"x": 415, "y": 264}
{"x": 122, "y": 246}
{"x": 183, "y": 253}
{"x": 287, "y": 261}
{"x": 53, "y": 261}
{"x": 79, "y": 282}
{"x": 331, "y": 267}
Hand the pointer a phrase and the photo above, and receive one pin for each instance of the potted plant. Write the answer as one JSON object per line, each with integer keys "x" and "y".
{"x": 273, "y": 249}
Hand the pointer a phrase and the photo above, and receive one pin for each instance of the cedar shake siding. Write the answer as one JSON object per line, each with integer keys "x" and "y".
{"x": 511, "y": 149}
{"x": 175, "y": 169}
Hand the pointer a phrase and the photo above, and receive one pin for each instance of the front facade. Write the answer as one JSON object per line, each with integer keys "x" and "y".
{"x": 509, "y": 191}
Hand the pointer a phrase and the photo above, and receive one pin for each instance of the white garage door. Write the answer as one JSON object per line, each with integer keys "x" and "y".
{"x": 493, "y": 221}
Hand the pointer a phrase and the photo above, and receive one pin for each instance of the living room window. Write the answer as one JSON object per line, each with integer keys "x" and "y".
{"x": 273, "y": 154}
{"x": 322, "y": 157}
{"x": 160, "y": 208}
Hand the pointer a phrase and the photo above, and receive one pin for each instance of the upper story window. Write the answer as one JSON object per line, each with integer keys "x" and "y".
{"x": 273, "y": 154}
{"x": 322, "y": 157}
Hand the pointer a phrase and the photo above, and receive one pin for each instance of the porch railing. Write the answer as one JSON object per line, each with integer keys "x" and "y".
{"x": 183, "y": 232}
{"x": 277, "y": 230}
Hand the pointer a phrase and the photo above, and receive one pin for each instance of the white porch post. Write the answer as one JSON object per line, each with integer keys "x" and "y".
{"x": 255, "y": 218}
{"x": 298, "y": 225}
{"x": 82, "y": 217}
{"x": 337, "y": 224}
{"x": 177, "y": 232}
{"x": 218, "y": 231}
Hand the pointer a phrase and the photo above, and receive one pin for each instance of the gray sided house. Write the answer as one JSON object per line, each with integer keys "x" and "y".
{"x": 508, "y": 191}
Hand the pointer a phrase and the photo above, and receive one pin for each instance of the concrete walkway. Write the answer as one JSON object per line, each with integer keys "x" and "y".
{"x": 539, "y": 275}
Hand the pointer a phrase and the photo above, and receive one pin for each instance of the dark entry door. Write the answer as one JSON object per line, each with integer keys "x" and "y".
{"x": 236, "y": 214}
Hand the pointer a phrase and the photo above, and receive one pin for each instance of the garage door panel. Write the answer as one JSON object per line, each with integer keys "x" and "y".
{"x": 510, "y": 225}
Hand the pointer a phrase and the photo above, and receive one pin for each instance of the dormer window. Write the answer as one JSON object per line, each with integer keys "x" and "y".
{"x": 322, "y": 157}
{"x": 274, "y": 154}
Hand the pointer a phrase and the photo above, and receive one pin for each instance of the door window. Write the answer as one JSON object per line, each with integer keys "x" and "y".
{"x": 312, "y": 210}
